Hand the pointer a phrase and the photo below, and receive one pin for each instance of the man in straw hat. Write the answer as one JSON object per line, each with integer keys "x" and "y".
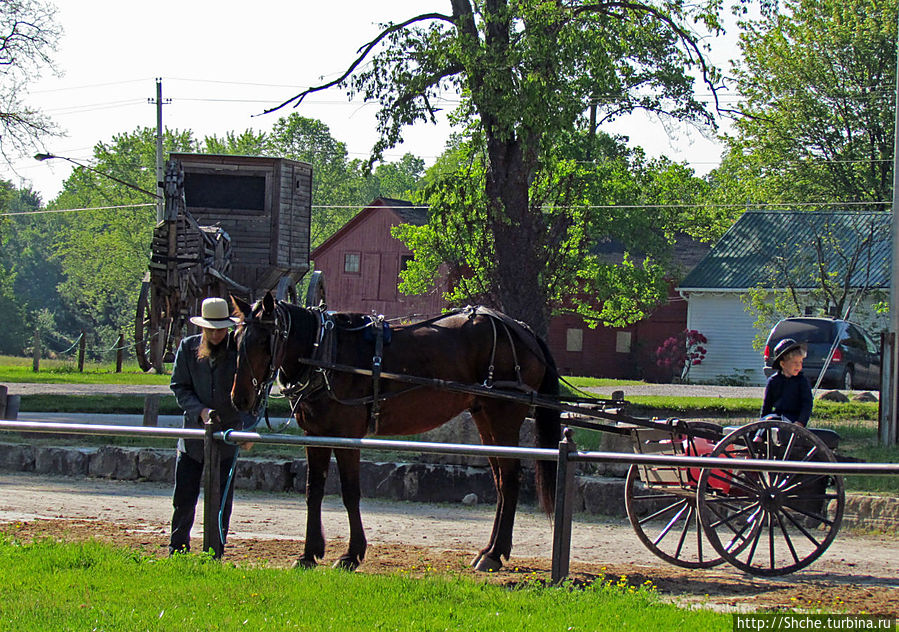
{"x": 787, "y": 392}
{"x": 201, "y": 380}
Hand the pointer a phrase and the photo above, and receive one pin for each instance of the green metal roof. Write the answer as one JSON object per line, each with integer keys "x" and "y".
{"x": 762, "y": 247}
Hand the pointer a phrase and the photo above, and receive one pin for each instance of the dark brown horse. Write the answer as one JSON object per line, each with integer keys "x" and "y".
{"x": 473, "y": 347}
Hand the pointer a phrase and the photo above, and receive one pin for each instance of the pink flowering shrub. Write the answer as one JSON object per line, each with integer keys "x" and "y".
{"x": 682, "y": 352}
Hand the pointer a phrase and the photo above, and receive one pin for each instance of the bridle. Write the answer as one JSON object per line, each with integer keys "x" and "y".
{"x": 278, "y": 328}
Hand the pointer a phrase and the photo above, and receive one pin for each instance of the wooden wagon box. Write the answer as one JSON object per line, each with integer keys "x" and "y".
{"x": 264, "y": 205}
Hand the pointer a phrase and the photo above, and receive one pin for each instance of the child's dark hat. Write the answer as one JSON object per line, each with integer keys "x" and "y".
{"x": 782, "y": 348}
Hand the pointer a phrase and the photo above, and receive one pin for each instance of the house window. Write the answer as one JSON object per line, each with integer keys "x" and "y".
{"x": 351, "y": 262}
{"x": 574, "y": 340}
{"x": 623, "y": 342}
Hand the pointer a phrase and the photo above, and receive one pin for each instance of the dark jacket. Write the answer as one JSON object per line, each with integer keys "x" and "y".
{"x": 789, "y": 397}
{"x": 200, "y": 384}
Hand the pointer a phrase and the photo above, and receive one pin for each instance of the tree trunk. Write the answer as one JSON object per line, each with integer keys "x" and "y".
{"x": 517, "y": 237}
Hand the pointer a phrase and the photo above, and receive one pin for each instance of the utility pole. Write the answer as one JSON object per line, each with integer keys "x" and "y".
{"x": 160, "y": 200}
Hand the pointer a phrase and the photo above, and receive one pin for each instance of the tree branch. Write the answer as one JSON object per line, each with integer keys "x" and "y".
{"x": 363, "y": 53}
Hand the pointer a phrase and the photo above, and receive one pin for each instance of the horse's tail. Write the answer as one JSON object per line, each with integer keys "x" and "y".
{"x": 548, "y": 431}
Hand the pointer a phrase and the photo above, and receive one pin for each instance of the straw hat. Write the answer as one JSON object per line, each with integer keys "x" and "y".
{"x": 214, "y": 315}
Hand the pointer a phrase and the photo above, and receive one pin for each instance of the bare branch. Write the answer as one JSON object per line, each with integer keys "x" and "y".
{"x": 363, "y": 53}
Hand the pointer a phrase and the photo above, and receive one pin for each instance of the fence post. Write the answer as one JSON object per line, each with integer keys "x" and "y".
{"x": 3, "y": 390}
{"x": 212, "y": 540}
{"x": 151, "y": 410}
{"x": 563, "y": 511}
{"x": 887, "y": 419}
{"x": 119, "y": 353}
{"x": 36, "y": 351}
{"x": 81, "y": 345}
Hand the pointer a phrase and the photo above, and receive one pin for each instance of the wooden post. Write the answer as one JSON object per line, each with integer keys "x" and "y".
{"x": 212, "y": 537}
{"x": 120, "y": 353}
{"x": 564, "y": 508}
{"x": 887, "y": 431}
{"x": 12, "y": 407}
{"x": 81, "y": 346}
{"x": 151, "y": 410}
{"x": 3, "y": 391}
{"x": 36, "y": 351}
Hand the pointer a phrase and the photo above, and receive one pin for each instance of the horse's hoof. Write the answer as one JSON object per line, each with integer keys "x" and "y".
{"x": 486, "y": 564}
{"x": 347, "y": 563}
{"x": 304, "y": 564}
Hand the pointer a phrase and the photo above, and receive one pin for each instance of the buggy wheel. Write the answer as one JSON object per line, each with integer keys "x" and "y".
{"x": 315, "y": 293}
{"x": 666, "y": 518}
{"x": 771, "y": 523}
{"x": 667, "y": 523}
{"x": 143, "y": 329}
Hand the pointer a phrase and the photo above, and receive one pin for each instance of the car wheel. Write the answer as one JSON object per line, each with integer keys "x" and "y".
{"x": 847, "y": 380}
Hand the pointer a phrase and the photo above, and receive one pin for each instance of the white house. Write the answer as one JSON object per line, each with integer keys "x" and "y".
{"x": 764, "y": 249}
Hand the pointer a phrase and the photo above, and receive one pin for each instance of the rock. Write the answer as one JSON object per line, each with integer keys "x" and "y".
{"x": 470, "y": 500}
{"x": 834, "y": 396}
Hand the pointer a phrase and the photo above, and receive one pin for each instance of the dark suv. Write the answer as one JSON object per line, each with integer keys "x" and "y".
{"x": 856, "y": 358}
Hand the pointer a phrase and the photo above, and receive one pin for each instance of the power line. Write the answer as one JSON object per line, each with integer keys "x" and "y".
{"x": 75, "y": 210}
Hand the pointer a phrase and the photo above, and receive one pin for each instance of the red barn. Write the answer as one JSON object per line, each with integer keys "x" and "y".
{"x": 361, "y": 264}
{"x": 362, "y": 261}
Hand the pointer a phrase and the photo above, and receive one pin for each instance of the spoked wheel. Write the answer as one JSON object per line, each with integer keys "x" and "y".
{"x": 771, "y": 523}
{"x": 144, "y": 347}
{"x": 666, "y": 519}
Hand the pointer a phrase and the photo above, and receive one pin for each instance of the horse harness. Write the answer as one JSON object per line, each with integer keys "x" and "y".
{"x": 317, "y": 381}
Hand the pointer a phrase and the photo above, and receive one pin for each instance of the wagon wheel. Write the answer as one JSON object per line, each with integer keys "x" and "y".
{"x": 146, "y": 332}
{"x": 315, "y": 293}
{"x": 771, "y": 523}
{"x": 666, "y": 520}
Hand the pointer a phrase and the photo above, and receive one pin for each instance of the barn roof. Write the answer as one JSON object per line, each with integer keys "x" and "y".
{"x": 750, "y": 253}
{"x": 407, "y": 213}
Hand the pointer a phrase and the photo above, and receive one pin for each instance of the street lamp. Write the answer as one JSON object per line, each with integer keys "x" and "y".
{"x": 43, "y": 157}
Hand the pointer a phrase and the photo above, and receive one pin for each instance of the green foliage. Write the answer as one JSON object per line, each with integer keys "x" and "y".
{"x": 59, "y": 586}
{"x": 591, "y": 212}
{"x": 817, "y": 121}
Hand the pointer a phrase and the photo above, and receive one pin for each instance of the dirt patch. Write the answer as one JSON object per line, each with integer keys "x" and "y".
{"x": 703, "y": 589}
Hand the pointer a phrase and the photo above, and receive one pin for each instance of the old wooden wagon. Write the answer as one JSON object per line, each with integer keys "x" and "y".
{"x": 232, "y": 225}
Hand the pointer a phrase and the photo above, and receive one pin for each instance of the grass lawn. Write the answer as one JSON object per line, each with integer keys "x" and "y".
{"x": 91, "y": 586}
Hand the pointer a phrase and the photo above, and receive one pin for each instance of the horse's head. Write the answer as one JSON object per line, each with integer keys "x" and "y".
{"x": 258, "y": 339}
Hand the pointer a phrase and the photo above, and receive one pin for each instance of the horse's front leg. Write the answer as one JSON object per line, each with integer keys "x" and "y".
{"x": 348, "y": 465}
{"x": 317, "y": 462}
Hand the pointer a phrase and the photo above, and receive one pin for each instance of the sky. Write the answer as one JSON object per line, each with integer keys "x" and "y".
{"x": 222, "y": 63}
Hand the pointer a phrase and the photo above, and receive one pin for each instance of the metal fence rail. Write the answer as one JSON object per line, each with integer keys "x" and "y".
{"x": 566, "y": 454}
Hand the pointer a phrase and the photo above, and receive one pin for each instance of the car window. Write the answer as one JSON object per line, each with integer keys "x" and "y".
{"x": 872, "y": 346}
{"x": 854, "y": 338}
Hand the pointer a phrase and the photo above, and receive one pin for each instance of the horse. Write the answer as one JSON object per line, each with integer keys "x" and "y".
{"x": 330, "y": 365}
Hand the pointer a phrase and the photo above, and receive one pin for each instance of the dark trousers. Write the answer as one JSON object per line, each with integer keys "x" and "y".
{"x": 188, "y": 478}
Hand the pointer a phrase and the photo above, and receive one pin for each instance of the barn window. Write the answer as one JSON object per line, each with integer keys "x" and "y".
{"x": 574, "y": 340}
{"x": 351, "y": 262}
{"x": 623, "y": 342}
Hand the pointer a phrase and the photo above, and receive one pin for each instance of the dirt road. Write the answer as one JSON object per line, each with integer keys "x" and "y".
{"x": 857, "y": 574}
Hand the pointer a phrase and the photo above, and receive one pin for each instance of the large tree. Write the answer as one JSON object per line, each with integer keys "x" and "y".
{"x": 618, "y": 216}
{"x": 525, "y": 72}
{"x": 28, "y": 37}
{"x": 816, "y": 125}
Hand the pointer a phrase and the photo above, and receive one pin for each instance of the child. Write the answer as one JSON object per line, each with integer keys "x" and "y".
{"x": 788, "y": 393}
